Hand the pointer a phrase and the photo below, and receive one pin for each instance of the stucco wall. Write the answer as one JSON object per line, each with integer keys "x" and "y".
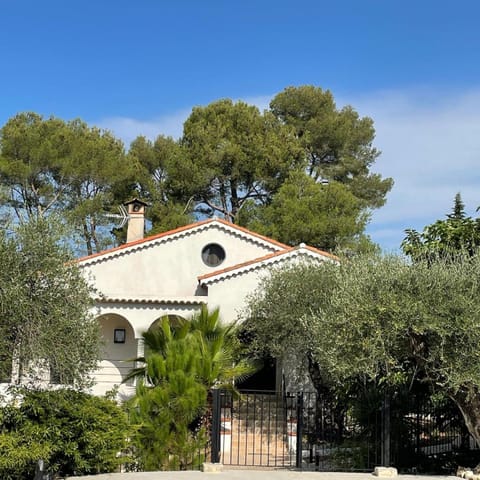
{"x": 142, "y": 315}
{"x": 231, "y": 294}
{"x": 170, "y": 267}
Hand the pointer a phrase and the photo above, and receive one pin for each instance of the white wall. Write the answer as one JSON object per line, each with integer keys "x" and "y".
{"x": 231, "y": 294}
{"x": 170, "y": 267}
{"x": 117, "y": 358}
{"x": 142, "y": 315}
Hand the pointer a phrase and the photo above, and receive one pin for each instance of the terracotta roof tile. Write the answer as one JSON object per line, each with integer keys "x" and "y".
{"x": 244, "y": 264}
{"x": 183, "y": 229}
{"x": 322, "y": 252}
{"x": 264, "y": 258}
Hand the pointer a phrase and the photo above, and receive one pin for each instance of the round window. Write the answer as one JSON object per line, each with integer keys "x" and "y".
{"x": 213, "y": 255}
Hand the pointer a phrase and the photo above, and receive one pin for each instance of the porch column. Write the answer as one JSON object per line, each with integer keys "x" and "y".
{"x": 140, "y": 347}
{"x": 140, "y": 353}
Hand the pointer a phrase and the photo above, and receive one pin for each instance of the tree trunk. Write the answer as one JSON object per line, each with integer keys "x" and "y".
{"x": 86, "y": 236}
{"x": 330, "y": 409}
{"x": 468, "y": 401}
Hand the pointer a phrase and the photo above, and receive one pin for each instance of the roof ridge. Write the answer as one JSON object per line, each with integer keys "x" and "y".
{"x": 184, "y": 228}
{"x": 322, "y": 252}
{"x": 263, "y": 258}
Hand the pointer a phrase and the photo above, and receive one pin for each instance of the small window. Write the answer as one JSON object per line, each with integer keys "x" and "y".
{"x": 213, "y": 255}
{"x": 119, "y": 335}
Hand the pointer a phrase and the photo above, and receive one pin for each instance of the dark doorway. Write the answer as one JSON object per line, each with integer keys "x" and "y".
{"x": 263, "y": 379}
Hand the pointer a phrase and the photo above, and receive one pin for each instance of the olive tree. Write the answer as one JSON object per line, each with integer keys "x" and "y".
{"x": 380, "y": 318}
{"x": 44, "y": 307}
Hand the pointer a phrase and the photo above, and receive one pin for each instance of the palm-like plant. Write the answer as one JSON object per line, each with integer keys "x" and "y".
{"x": 217, "y": 363}
{"x": 220, "y": 362}
{"x": 182, "y": 362}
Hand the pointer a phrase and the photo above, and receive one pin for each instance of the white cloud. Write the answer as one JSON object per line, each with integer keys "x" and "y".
{"x": 129, "y": 128}
{"x": 261, "y": 101}
{"x": 170, "y": 124}
{"x": 430, "y": 146}
{"x": 430, "y": 143}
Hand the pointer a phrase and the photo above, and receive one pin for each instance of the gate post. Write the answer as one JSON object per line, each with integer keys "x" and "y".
{"x": 385, "y": 453}
{"x": 298, "y": 459}
{"x": 216, "y": 421}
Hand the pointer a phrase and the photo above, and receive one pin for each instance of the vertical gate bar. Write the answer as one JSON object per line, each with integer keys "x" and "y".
{"x": 298, "y": 462}
{"x": 247, "y": 422}
{"x": 262, "y": 414}
{"x": 239, "y": 432}
{"x": 285, "y": 418}
{"x": 269, "y": 430}
{"x": 386, "y": 431}
{"x": 231, "y": 409}
{"x": 216, "y": 421}
{"x": 255, "y": 401}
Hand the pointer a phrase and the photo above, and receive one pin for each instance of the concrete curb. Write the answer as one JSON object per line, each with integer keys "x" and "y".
{"x": 264, "y": 474}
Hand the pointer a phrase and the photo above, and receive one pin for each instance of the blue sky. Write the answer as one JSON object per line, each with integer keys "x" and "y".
{"x": 138, "y": 67}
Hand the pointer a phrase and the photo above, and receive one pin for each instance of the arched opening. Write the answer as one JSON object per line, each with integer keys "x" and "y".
{"x": 175, "y": 321}
{"x": 118, "y": 351}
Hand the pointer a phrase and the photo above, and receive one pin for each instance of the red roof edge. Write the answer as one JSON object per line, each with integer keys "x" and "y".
{"x": 179, "y": 230}
{"x": 261, "y": 259}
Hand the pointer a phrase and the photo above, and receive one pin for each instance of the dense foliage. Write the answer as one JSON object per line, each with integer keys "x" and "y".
{"x": 45, "y": 324}
{"x": 73, "y": 432}
{"x": 337, "y": 143}
{"x": 325, "y": 216}
{"x": 49, "y": 165}
{"x": 182, "y": 362}
{"x": 381, "y": 319}
{"x": 232, "y": 161}
{"x": 457, "y": 234}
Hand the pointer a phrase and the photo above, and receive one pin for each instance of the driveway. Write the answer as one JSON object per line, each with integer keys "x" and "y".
{"x": 253, "y": 475}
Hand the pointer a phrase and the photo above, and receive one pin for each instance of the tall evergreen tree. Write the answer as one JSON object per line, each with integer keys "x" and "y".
{"x": 337, "y": 143}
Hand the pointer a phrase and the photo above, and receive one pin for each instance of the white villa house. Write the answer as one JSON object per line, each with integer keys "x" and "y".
{"x": 211, "y": 262}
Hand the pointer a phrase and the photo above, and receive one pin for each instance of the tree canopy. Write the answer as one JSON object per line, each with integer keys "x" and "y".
{"x": 263, "y": 169}
{"x": 457, "y": 234}
{"x": 337, "y": 144}
{"x": 382, "y": 319}
{"x": 44, "y": 308}
{"x": 324, "y": 216}
{"x": 301, "y": 157}
{"x": 233, "y": 153}
{"x": 153, "y": 163}
{"x": 49, "y": 165}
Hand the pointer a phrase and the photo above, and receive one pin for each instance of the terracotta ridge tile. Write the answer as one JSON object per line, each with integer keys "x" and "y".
{"x": 190, "y": 226}
{"x": 261, "y": 259}
{"x": 146, "y": 239}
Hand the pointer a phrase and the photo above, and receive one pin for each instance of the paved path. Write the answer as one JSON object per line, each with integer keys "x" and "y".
{"x": 252, "y": 475}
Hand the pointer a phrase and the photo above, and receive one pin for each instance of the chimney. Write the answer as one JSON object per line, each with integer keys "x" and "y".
{"x": 136, "y": 219}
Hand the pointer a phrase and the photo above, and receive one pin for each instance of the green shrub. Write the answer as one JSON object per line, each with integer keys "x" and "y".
{"x": 73, "y": 432}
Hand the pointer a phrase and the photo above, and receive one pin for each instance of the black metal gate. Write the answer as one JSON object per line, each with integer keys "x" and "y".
{"x": 305, "y": 431}
{"x": 252, "y": 430}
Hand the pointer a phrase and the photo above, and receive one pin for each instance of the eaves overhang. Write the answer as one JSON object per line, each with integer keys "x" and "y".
{"x": 150, "y": 300}
{"x": 187, "y": 230}
{"x": 267, "y": 260}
